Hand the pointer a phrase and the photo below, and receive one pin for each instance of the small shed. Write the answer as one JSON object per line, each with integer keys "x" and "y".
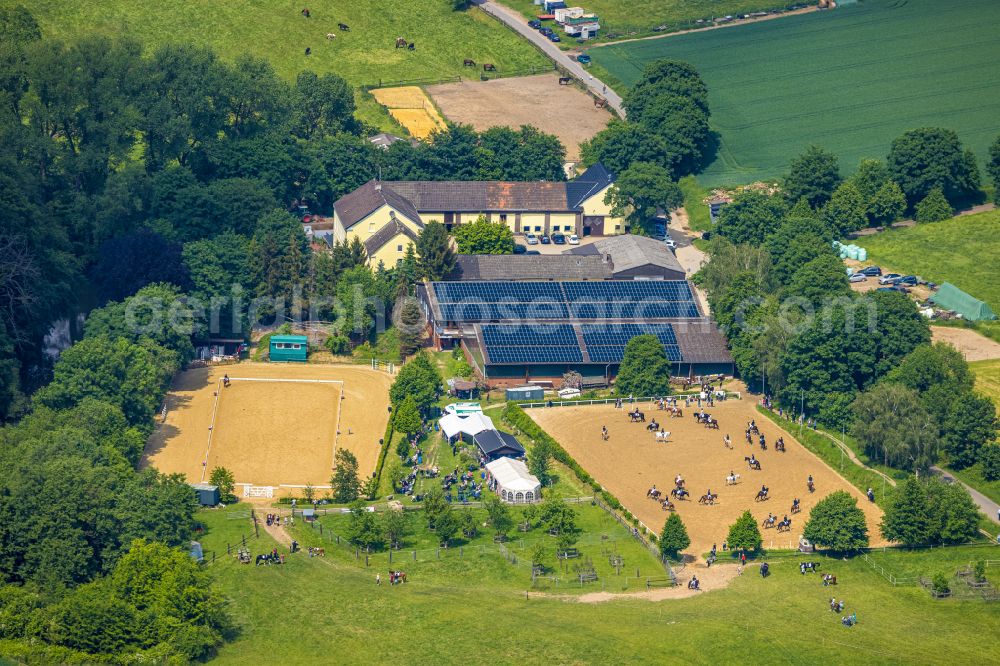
{"x": 309, "y": 515}
{"x": 462, "y": 388}
{"x": 285, "y": 348}
{"x": 525, "y": 393}
{"x": 511, "y": 480}
{"x": 208, "y": 495}
{"x": 493, "y": 444}
{"x": 950, "y": 297}
{"x": 196, "y": 552}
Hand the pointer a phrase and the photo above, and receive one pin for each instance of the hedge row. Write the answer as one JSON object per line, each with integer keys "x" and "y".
{"x": 515, "y": 416}
{"x": 386, "y": 445}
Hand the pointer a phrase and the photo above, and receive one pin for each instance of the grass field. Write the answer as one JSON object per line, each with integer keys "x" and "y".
{"x": 278, "y": 31}
{"x": 474, "y": 610}
{"x": 642, "y": 16}
{"x": 850, "y": 80}
{"x": 963, "y": 250}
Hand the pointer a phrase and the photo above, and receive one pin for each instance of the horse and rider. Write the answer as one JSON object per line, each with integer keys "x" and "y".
{"x": 810, "y": 484}
{"x": 604, "y": 433}
{"x": 796, "y": 505}
{"x": 762, "y": 494}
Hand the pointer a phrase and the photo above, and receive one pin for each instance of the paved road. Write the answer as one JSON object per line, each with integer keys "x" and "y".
{"x": 988, "y": 506}
{"x": 516, "y": 22}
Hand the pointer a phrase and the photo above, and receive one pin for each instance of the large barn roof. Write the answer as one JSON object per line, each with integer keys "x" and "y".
{"x": 531, "y": 267}
{"x": 630, "y": 252}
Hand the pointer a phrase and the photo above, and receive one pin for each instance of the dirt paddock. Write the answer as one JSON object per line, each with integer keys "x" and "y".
{"x": 632, "y": 461}
{"x": 565, "y": 111}
{"x": 269, "y": 427}
{"x": 974, "y": 347}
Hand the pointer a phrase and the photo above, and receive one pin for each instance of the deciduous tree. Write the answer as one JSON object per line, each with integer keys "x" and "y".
{"x": 345, "y": 483}
{"x": 934, "y": 207}
{"x": 435, "y": 258}
{"x": 744, "y": 533}
{"x": 837, "y": 523}
{"x": 644, "y": 370}
{"x": 931, "y": 157}
{"x": 814, "y": 175}
{"x": 674, "y": 537}
{"x": 484, "y": 237}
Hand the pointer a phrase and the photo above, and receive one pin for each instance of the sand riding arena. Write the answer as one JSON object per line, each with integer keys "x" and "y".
{"x": 275, "y": 427}
{"x": 632, "y": 461}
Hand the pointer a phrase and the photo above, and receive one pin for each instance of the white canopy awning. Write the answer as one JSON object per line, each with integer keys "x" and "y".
{"x": 513, "y": 475}
{"x": 453, "y": 425}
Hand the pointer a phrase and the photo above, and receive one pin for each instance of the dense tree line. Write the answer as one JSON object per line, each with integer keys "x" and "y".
{"x": 667, "y": 123}
{"x": 126, "y": 167}
{"x": 780, "y": 293}
{"x": 89, "y": 555}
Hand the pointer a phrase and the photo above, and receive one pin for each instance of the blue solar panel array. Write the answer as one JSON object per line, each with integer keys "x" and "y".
{"x": 519, "y": 335}
{"x": 610, "y": 299}
{"x": 620, "y": 334}
{"x": 615, "y": 353}
{"x": 627, "y": 291}
{"x": 529, "y": 355}
{"x": 561, "y": 303}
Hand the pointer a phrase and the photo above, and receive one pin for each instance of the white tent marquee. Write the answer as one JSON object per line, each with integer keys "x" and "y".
{"x": 512, "y": 481}
{"x": 453, "y": 425}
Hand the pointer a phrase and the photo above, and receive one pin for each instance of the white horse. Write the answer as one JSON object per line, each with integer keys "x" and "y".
{"x": 732, "y": 479}
{"x": 330, "y": 35}
{"x": 662, "y": 436}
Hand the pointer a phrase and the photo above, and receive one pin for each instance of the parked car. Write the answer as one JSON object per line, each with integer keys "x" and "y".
{"x": 519, "y": 249}
{"x": 871, "y": 271}
{"x": 908, "y": 280}
{"x": 532, "y": 252}
{"x": 858, "y": 277}
{"x": 535, "y": 24}
{"x": 544, "y": 239}
{"x": 890, "y": 278}
{"x": 671, "y": 243}
{"x": 574, "y": 239}
{"x": 554, "y": 38}
{"x": 545, "y": 31}
{"x": 531, "y": 239}
{"x": 583, "y": 59}
{"x": 559, "y": 239}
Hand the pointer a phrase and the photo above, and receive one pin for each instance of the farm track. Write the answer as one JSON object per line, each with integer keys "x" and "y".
{"x": 517, "y": 23}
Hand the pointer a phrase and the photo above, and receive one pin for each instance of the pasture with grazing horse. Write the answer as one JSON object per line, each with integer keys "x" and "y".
{"x": 633, "y": 460}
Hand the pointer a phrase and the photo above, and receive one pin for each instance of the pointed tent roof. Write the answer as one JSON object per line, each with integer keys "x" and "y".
{"x": 362, "y": 202}
{"x": 951, "y": 297}
{"x": 513, "y": 475}
{"x": 471, "y": 425}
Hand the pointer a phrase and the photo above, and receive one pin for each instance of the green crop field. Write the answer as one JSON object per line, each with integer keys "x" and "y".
{"x": 474, "y": 610}
{"x": 963, "y": 250}
{"x": 850, "y": 80}
{"x": 278, "y": 32}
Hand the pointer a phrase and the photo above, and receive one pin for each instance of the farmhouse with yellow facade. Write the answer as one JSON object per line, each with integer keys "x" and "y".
{"x": 386, "y": 216}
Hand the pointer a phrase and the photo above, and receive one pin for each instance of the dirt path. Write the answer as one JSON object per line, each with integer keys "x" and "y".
{"x": 974, "y": 347}
{"x": 518, "y": 24}
{"x": 690, "y": 257}
{"x": 709, "y": 578}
